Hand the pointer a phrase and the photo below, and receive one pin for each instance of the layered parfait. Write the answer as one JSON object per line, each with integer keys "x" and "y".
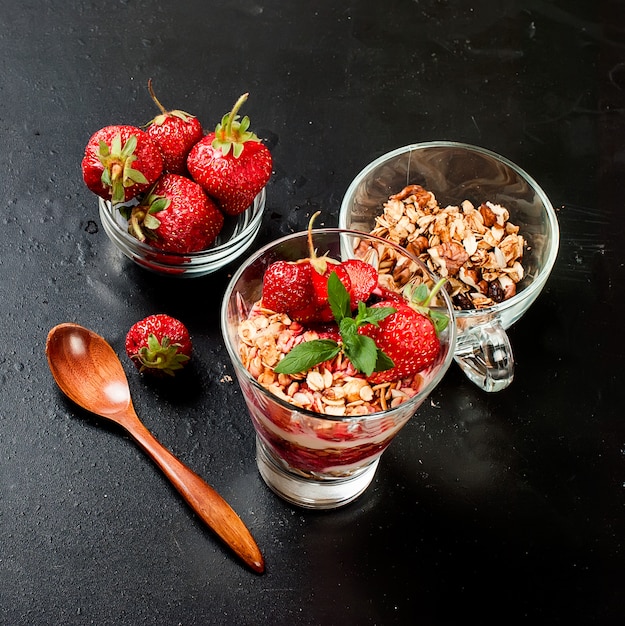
{"x": 343, "y": 348}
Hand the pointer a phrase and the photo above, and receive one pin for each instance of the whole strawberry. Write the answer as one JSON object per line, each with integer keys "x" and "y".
{"x": 175, "y": 132}
{"x": 176, "y": 216}
{"x": 120, "y": 162}
{"x": 231, "y": 164}
{"x": 287, "y": 288}
{"x": 159, "y": 345}
{"x": 407, "y": 337}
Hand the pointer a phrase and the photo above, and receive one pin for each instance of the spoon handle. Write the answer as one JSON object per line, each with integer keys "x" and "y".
{"x": 202, "y": 498}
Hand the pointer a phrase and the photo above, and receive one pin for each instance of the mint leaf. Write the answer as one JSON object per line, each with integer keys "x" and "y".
{"x": 348, "y": 328}
{"x": 362, "y": 352}
{"x": 372, "y": 315}
{"x": 383, "y": 362}
{"x": 306, "y": 355}
{"x": 338, "y": 297}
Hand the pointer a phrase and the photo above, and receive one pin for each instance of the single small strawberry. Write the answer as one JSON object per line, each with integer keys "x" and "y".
{"x": 287, "y": 288}
{"x": 176, "y": 216}
{"x": 120, "y": 162}
{"x": 175, "y": 132}
{"x": 159, "y": 345}
{"x": 407, "y": 337}
{"x": 231, "y": 163}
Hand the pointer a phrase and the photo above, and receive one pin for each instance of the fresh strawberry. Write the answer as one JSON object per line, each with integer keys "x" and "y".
{"x": 287, "y": 288}
{"x": 175, "y": 132}
{"x": 159, "y": 345}
{"x": 386, "y": 341}
{"x": 121, "y": 162}
{"x": 407, "y": 337}
{"x": 231, "y": 163}
{"x": 176, "y": 216}
{"x": 363, "y": 279}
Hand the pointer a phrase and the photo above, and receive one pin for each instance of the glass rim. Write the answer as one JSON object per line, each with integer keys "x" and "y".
{"x": 234, "y": 356}
{"x": 554, "y": 230}
{"x": 125, "y": 239}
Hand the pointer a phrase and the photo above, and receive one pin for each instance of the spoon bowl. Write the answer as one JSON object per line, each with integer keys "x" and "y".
{"x": 88, "y": 371}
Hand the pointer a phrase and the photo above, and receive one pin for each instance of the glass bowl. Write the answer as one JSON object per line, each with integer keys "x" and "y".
{"x": 236, "y": 236}
{"x": 312, "y": 459}
{"x": 455, "y": 172}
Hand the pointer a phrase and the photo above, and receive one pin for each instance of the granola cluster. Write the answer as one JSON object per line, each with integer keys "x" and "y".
{"x": 478, "y": 249}
{"x": 333, "y": 388}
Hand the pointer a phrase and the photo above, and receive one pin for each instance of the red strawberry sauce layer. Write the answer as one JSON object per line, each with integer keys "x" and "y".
{"x": 321, "y": 447}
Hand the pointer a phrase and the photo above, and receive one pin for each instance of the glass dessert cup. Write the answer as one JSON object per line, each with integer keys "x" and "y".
{"x": 455, "y": 172}
{"x": 236, "y": 236}
{"x": 315, "y": 460}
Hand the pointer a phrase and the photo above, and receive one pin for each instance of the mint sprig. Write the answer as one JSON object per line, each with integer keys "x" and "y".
{"x": 365, "y": 356}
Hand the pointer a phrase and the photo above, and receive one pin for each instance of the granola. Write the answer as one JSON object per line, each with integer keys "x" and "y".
{"x": 333, "y": 388}
{"x": 478, "y": 249}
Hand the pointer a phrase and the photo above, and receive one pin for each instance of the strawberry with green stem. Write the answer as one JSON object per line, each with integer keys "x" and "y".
{"x": 176, "y": 216}
{"x": 175, "y": 132}
{"x": 120, "y": 162}
{"x": 159, "y": 345}
{"x": 231, "y": 163}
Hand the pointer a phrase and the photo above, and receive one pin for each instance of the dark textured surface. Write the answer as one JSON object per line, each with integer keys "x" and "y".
{"x": 504, "y": 508}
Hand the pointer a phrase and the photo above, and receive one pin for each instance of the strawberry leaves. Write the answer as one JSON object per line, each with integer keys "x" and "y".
{"x": 142, "y": 220}
{"x": 359, "y": 349}
{"x": 231, "y": 134}
{"x": 420, "y": 296}
{"x": 118, "y": 172}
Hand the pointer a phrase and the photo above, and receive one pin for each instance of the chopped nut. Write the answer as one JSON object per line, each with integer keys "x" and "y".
{"x": 315, "y": 380}
{"x": 488, "y": 216}
{"x": 450, "y": 256}
{"x": 471, "y": 247}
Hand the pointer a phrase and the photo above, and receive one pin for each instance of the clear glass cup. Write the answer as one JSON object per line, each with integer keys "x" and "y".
{"x": 455, "y": 172}
{"x": 235, "y": 238}
{"x": 311, "y": 459}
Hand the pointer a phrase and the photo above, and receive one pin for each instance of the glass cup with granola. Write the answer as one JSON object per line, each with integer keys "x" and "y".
{"x": 472, "y": 217}
{"x": 333, "y": 356}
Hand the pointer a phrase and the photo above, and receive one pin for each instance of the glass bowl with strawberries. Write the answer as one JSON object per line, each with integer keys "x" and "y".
{"x": 475, "y": 218}
{"x": 235, "y": 236}
{"x": 333, "y": 356}
{"x": 176, "y": 201}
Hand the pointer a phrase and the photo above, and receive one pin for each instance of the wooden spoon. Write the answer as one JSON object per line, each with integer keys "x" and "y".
{"x": 88, "y": 371}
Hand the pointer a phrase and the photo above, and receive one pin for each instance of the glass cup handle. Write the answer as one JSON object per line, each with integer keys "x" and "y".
{"x": 485, "y": 356}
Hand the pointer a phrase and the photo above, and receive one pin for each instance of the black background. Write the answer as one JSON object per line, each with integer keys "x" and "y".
{"x": 496, "y": 508}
